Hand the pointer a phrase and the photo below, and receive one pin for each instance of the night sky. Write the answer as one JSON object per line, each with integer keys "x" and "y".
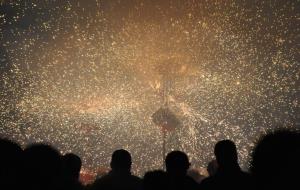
{"x": 87, "y": 75}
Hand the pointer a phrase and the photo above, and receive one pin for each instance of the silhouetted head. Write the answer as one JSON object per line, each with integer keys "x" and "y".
{"x": 11, "y": 157}
{"x": 10, "y": 153}
{"x": 71, "y": 165}
{"x": 196, "y": 175}
{"x": 276, "y": 159}
{"x": 226, "y": 154}
{"x": 42, "y": 165}
{"x": 121, "y": 161}
{"x": 154, "y": 180}
{"x": 212, "y": 167}
{"x": 177, "y": 163}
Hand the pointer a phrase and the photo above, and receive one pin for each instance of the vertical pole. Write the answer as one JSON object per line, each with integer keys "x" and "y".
{"x": 164, "y": 148}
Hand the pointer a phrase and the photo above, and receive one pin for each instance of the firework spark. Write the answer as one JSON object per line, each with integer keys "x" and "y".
{"x": 86, "y": 76}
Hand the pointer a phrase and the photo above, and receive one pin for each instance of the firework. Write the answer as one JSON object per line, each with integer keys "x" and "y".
{"x": 86, "y": 76}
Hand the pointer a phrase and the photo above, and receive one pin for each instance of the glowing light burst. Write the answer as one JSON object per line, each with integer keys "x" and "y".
{"x": 86, "y": 76}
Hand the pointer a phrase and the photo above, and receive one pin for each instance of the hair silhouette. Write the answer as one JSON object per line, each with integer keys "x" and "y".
{"x": 121, "y": 160}
{"x": 212, "y": 167}
{"x": 43, "y": 166}
{"x": 276, "y": 160}
{"x": 71, "y": 172}
{"x": 11, "y": 158}
{"x": 177, "y": 164}
{"x": 226, "y": 154}
{"x": 72, "y": 165}
{"x": 228, "y": 174}
{"x": 119, "y": 178}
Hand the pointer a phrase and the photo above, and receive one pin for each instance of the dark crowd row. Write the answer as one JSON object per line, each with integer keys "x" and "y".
{"x": 275, "y": 164}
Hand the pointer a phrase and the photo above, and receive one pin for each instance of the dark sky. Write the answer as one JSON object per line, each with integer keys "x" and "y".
{"x": 84, "y": 74}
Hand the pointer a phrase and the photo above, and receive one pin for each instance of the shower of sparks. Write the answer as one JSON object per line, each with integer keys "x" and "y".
{"x": 86, "y": 75}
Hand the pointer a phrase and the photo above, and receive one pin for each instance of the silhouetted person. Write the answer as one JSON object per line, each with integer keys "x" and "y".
{"x": 196, "y": 175}
{"x": 177, "y": 165}
{"x": 42, "y": 168}
{"x": 276, "y": 161}
{"x": 212, "y": 167}
{"x": 229, "y": 175}
{"x": 11, "y": 158}
{"x": 120, "y": 175}
{"x": 71, "y": 171}
{"x": 155, "y": 180}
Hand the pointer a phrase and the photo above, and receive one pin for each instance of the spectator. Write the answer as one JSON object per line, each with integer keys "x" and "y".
{"x": 275, "y": 161}
{"x": 11, "y": 157}
{"x": 212, "y": 167}
{"x": 177, "y": 165}
{"x": 42, "y": 167}
{"x": 196, "y": 175}
{"x": 71, "y": 172}
{"x": 155, "y": 180}
{"x": 229, "y": 174}
{"x": 120, "y": 176}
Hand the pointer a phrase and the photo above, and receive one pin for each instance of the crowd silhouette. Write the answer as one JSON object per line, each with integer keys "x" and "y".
{"x": 275, "y": 164}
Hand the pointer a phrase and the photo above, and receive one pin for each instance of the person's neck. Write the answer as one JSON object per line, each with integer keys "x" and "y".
{"x": 177, "y": 174}
{"x": 230, "y": 168}
{"x": 120, "y": 172}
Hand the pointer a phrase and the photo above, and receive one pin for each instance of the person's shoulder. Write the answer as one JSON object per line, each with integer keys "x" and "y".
{"x": 208, "y": 182}
{"x": 101, "y": 181}
{"x": 245, "y": 175}
{"x": 135, "y": 178}
{"x": 190, "y": 179}
{"x": 247, "y": 178}
{"x": 103, "y": 178}
{"x": 191, "y": 183}
{"x": 209, "y": 179}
